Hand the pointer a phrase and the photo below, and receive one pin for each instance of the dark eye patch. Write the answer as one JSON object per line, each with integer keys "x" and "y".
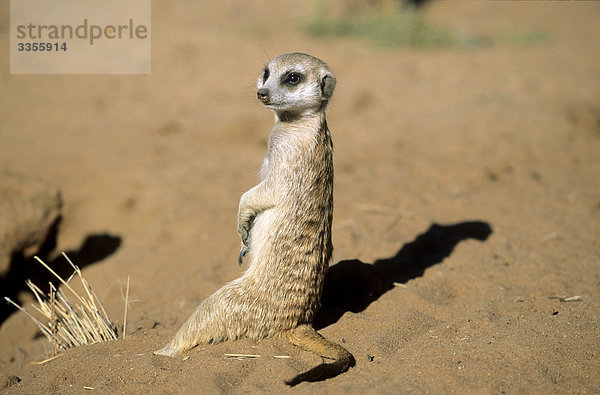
{"x": 266, "y": 75}
{"x": 292, "y": 78}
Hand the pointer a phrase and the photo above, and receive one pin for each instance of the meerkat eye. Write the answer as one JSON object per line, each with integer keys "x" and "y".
{"x": 265, "y": 75}
{"x": 293, "y": 79}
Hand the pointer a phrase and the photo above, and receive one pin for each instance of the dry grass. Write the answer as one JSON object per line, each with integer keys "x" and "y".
{"x": 69, "y": 323}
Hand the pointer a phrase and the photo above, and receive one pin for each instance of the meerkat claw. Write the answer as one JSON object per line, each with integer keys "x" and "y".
{"x": 243, "y": 253}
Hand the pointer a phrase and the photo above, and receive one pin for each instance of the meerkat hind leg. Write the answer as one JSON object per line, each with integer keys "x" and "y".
{"x": 307, "y": 338}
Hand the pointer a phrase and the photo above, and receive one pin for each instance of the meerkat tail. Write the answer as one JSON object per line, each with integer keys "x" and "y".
{"x": 180, "y": 343}
{"x": 308, "y": 339}
{"x": 169, "y": 350}
{"x": 188, "y": 337}
{"x": 201, "y": 328}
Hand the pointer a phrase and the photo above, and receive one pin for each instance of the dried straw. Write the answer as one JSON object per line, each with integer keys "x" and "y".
{"x": 242, "y": 356}
{"x": 126, "y": 308}
{"x": 66, "y": 324}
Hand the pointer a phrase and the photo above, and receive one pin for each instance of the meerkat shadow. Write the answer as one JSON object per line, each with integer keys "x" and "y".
{"x": 353, "y": 285}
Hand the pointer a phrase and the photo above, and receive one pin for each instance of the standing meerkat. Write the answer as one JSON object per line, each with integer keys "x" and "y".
{"x": 285, "y": 226}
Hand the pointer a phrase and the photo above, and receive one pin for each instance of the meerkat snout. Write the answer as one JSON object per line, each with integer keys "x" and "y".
{"x": 263, "y": 95}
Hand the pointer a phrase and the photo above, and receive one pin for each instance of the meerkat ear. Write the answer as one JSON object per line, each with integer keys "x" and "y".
{"x": 327, "y": 84}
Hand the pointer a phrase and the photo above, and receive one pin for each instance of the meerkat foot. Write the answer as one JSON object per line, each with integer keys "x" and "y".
{"x": 307, "y": 338}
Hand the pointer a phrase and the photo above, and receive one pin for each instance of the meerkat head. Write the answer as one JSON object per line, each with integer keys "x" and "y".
{"x": 295, "y": 83}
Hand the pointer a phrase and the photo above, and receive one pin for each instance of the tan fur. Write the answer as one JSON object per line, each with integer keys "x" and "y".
{"x": 285, "y": 224}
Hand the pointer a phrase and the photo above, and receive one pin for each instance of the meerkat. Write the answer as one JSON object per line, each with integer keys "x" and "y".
{"x": 285, "y": 227}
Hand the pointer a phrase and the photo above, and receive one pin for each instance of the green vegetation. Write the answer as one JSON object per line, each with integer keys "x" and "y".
{"x": 408, "y": 27}
{"x": 402, "y": 29}
{"x": 524, "y": 38}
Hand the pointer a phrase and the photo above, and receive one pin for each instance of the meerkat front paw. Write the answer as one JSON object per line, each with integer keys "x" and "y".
{"x": 243, "y": 251}
{"x": 244, "y": 226}
{"x": 244, "y": 231}
{"x": 244, "y": 223}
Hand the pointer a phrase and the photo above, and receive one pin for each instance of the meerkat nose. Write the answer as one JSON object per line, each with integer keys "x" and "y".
{"x": 263, "y": 94}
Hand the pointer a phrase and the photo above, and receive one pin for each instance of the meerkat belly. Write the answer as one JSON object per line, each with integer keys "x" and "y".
{"x": 285, "y": 267}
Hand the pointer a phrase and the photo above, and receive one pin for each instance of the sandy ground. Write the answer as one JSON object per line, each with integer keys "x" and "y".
{"x": 470, "y": 177}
